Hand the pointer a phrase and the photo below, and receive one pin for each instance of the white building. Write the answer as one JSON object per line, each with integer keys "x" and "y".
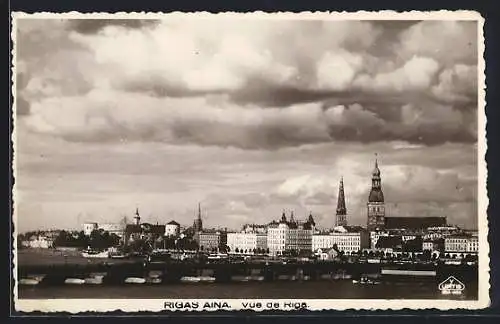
{"x": 456, "y": 243}
{"x": 322, "y": 241}
{"x": 277, "y": 238}
{"x": 472, "y": 244}
{"x": 115, "y": 228}
{"x": 428, "y": 245}
{"x": 350, "y": 238}
{"x": 89, "y": 227}
{"x": 39, "y": 242}
{"x": 172, "y": 228}
{"x": 290, "y": 235}
{"x": 246, "y": 241}
{"x": 374, "y": 236}
{"x": 112, "y": 228}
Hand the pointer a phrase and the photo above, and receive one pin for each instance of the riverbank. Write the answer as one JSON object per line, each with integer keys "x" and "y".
{"x": 343, "y": 289}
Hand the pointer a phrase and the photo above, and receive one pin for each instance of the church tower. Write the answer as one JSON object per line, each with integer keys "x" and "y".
{"x": 137, "y": 217}
{"x": 341, "y": 214}
{"x": 376, "y": 205}
{"x": 198, "y": 224}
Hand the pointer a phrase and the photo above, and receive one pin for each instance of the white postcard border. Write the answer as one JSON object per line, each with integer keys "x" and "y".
{"x": 156, "y": 305}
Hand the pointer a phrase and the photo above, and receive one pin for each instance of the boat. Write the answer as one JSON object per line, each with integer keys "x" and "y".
{"x": 135, "y": 280}
{"x": 155, "y": 274}
{"x": 342, "y": 275}
{"x": 287, "y": 277}
{"x": 28, "y": 282}
{"x": 366, "y": 281}
{"x": 207, "y": 279}
{"x": 153, "y": 280}
{"x": 93, "y": 281}
{"x": 95, "y": 254}
{"x": 405, "y": 272}
{"x": 74, "y": 281}
{"x": 118, "y": 255}
{"x": 190, "y": 279}
{"x": 38, "y": 277}
{"x": 97, "y": 275}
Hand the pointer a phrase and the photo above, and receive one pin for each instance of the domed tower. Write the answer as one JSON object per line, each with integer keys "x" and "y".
{"x": 376, "y": 205}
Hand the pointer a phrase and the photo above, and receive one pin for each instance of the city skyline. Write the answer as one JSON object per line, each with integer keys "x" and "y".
{"x": 247, "y": 123}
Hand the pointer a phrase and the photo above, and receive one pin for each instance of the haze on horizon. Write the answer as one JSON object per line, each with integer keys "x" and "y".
{"x": 248, "y": 117}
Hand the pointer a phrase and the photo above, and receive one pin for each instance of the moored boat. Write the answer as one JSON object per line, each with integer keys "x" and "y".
{"x": 190, "y": 279}
{"x": 28, "y": 282}
{"x": 135, "y": 280}
{"x": 287, "y": 277}
{"x": 74, "y": 281}
{"x": 207, "y": 279}
{"x": 95, "y": 254}
{"x": 93, "y": 281}
{"x": 151, "y": 280}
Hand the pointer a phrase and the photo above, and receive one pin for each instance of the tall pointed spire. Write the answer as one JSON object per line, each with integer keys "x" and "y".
{"x": 341, "y": 213}
{"x": 137, "y": 217}
{"x": 198, "y": 223}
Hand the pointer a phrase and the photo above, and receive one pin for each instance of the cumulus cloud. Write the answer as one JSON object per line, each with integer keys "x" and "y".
{"x": 416, "y": 74}
{"x": 457, "y": 84}
{"x": 258, "y": 84}
{"x": 449, "y": 42}
{"x": 409, "y": 190}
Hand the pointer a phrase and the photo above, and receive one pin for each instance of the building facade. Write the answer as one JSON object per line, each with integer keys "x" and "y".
{"x": 375, "y": 235}
{"x": 88, "y": 228}
{"x": 113, "y": 228}
{"x": 472, "y": 244}
{"x": 211, "y": 240}
{"x": 240, "y": 242}
{"x": 376, "y": 204}
{"x": 348, "y": 239}
{"x": 322, "y": 241}
{"x": 341, "y": 212}
{"x": 456, "y": 243}
{"x": 287, "y": 236}
{"x": 39, "y": 242}
{"x": 172, "y": 228}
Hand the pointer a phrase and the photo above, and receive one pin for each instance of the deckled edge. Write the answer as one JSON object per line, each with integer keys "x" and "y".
{"x": 132, "y": 305}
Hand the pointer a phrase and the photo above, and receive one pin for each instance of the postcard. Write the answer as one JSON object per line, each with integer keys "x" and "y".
{"x": 171, "y": 162}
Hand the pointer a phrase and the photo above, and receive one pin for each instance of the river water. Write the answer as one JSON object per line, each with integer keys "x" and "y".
{"x": 252, "y": 290}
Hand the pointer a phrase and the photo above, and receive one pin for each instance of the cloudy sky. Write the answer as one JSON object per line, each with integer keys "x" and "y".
{"x": 248, "y": 117}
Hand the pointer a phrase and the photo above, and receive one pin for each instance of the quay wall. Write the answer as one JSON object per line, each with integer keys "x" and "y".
{"x": 223, "y": 272}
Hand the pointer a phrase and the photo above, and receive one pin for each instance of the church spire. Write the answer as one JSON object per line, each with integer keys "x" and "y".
{"x": 341, "y": 207}
{"x": 137, "y": 217}
{"x": 376, "y": 206}
{"x": 198, "y": 223}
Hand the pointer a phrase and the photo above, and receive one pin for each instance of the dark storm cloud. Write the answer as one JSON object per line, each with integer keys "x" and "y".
{"x": 92, "y": 26}
{"x": 254, "y": 86}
